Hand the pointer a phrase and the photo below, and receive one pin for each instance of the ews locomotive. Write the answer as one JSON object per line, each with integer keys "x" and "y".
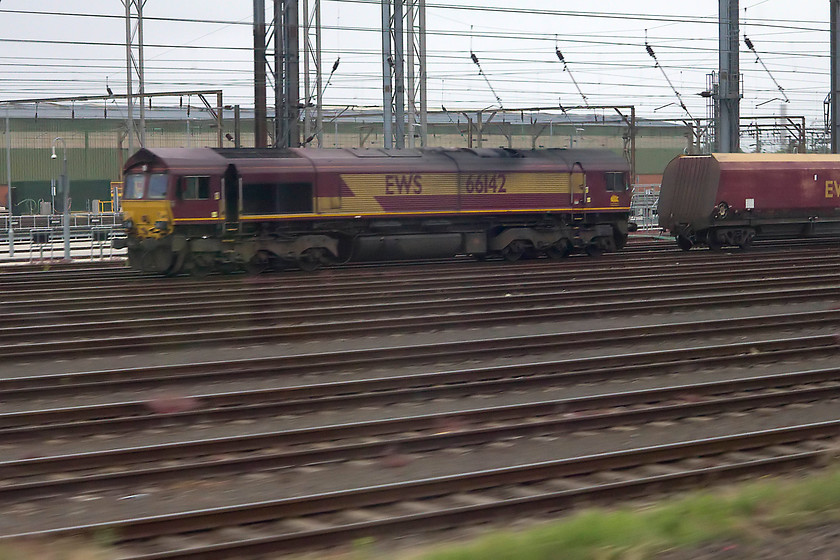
{"x": 731, "y": 199}
{"x": 205, "y": 209}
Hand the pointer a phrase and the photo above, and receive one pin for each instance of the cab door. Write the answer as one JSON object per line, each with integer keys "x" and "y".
{"x": 230, "y": 206}
{"x": 579, "y": 190}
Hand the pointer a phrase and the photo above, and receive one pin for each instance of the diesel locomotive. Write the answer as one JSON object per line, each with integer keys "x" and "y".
{"x": 199, "y": 210}
{"x": 732, "y": 199}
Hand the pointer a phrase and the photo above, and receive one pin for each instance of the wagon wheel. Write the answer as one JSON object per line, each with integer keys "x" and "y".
{"x": 310, "y": 260}
{"x": 514, "y": 250}
{"x": 684, "y": 243}
{"x": 746, "y": 243}
{"x": 713, "y": 242}
{"x": 560, "y": 250}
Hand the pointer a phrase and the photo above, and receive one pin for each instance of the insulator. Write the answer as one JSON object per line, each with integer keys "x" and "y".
{"x": 650, "y": 50}
{"x": 560, "y": 56}
{"x": 473, "y": 57}
{"x": 749, "y": 43}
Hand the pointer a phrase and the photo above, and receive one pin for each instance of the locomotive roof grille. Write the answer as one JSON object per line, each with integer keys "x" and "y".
{"x": 243, "y": 153}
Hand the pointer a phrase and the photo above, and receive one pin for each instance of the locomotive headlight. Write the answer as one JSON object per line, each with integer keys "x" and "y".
{"x": 128, "y": 224}
{"x": 161, "y": 225}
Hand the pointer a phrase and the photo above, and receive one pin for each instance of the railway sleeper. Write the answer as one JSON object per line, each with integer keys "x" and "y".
{"x": 473, "y": 497}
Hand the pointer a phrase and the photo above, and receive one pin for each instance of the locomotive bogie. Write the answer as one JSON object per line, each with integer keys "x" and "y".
{"x": 176, "y": 254}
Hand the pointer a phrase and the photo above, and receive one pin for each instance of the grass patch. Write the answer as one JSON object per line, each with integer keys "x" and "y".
{"x": 61, "y": 549}
{"x": 741, "y": 513}
{"x": 737, "y": 513}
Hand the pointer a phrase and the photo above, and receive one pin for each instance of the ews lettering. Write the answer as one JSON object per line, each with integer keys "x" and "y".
{"x": 403, "y": 184}
{"x": 832, "y": 189}
{"x": 485, "y": 183}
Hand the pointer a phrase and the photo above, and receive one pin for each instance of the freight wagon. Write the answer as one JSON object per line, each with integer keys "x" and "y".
{"x": 732, "y": 199}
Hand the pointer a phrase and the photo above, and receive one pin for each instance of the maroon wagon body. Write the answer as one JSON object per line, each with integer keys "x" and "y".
{"x": 776, "y": 195}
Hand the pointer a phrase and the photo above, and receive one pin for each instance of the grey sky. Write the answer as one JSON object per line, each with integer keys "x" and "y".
{"x": 44, "y": 54}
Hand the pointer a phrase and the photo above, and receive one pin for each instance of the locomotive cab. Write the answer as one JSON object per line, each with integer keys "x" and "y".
{"x": 148, "y": 219}
{"x": 170, "y": 195}
{"x": 146, "y": 208}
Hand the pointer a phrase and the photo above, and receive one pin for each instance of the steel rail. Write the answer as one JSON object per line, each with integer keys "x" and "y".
{"x": 230, "y": 297}
{"x": 40, "y": 272}
{"x": 61, "y": 383}
{"x": 657, "y": 405}
{"x": 132, "y": 416}
{"x": 429, "y": 274}
{"x": 150, "y": 287}
{"x": 454, "y": 315}
{"x": 273, "y": 510}
{"x": 447, "y": 517}
{"x": 120, "y": 320}
{"x": 116, "y": 417}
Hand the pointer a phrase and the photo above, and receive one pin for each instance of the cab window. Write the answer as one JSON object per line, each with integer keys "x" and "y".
{"x": 157, "y": 185}
{"x": 615, "y": 182}
{"x": 134, "y": 186}
{"x": 194, "y": 188}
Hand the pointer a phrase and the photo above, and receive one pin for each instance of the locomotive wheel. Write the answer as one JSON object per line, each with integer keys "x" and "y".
{"x": 594, "y": 250}
{"x": 227, "y": 267}
{"x": 559, "y": 250}
{"x": 620, "y": 240}
{"x": 684, "y": 243}
{"x": 514, "y": 251}
{"x": 177, "y": 264}
{"x": 311, "y": 259}
{"x": 202, "y": 265}
{"x": 258, "y": 264}
{"x": 714, "y": 244}
{"x": 157, "y": 260}
{"x": 135, "y": 259}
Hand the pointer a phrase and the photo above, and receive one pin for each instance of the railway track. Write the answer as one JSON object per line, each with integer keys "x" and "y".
{"x": 110, "y": 279}
{"x": 418, "y": 410}
{"x": 230, "y": 294}
{"x": 95, "y": 470}
{"x": 286, "y": 316}
{"x": 113, "y": 379}
{"x": 325, "y": 519}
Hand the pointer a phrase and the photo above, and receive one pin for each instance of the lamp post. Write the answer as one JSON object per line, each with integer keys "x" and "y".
{"x": 9, "y": 183}
{"x": 64, "y": 182}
